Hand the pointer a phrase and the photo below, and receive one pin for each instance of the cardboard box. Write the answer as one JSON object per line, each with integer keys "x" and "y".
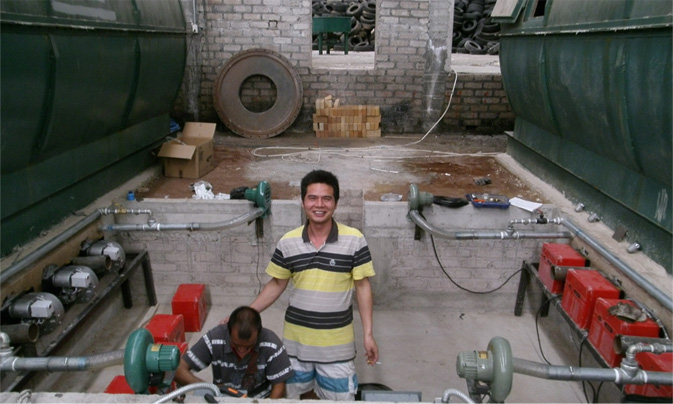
{"x": 191, "y": 155}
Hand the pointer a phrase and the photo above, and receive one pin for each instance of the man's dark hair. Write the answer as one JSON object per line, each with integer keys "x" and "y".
{"x": 320, "y": 177}
{"x": 247, "y": 320}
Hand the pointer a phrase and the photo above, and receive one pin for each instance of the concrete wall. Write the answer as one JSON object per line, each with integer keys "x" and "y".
{"x": 232, "y": 262}
{"x": 410, "y": 78}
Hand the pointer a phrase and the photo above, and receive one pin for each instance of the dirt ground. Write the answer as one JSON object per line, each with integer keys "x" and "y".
{"x": 441, "y": 164}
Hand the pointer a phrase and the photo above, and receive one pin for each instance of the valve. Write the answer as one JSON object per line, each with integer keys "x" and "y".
{"x": 43, "y": 309}
{"x": 146, "y": 363}
{"x": 493, "y": 367}
{"x": 261, "y": 196}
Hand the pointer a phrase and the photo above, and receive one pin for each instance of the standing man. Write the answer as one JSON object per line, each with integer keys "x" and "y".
{"x": 326, "y": 262}
{"x": 244, "y": 356}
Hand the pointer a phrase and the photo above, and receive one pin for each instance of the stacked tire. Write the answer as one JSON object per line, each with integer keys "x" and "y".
{"x": 362, "y": 35}
{"x": 474, "y": 31}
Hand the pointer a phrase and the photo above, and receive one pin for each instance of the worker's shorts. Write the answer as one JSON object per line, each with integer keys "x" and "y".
{"x": 332, "y": 381}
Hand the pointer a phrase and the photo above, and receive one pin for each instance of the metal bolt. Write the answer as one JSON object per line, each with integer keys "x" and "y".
{"x": 579, "y": 207}
{"x": 634, "y": 247}
{"x": 593, "y": 218}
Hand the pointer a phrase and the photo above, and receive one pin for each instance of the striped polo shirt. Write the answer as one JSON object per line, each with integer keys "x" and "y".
{"x": 319, "y": 319}
{"x": 214, "y": 349}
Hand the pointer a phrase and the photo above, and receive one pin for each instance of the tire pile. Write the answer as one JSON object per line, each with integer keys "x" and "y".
{"x": 474, "y": 31}
{"x": 363, "y": 18}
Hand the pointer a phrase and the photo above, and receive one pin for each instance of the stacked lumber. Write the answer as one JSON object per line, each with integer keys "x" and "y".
{"x": 334, "y": 120}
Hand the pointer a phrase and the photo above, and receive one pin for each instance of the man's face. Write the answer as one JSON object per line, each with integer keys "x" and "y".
{"x": 240, "y": 346}
{"x": 319, "y": 203}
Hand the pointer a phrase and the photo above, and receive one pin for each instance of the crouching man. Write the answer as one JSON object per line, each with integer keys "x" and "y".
{"x": 243, "y": 356}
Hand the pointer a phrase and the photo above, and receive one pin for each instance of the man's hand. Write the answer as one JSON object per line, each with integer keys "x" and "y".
{"x": 371, "y": 350}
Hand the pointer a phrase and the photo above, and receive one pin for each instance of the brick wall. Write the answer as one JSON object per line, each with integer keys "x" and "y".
{"x": 232, "y": 261}
{"x": 479, "y": 104}
{"x": 409, "y": 81}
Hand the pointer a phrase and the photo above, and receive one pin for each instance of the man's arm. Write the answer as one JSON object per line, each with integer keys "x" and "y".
{"x": 278, "y": 390}
{"x": 184, "y": 375}
{"x": 363, "y": 294}
{"x": 271, "y": 291}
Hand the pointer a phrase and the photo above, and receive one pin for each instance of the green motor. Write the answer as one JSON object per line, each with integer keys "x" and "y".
{"x": 145, "y": 361}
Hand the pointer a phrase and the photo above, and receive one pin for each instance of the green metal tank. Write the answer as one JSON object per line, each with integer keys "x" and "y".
{"x": 590, "y": 83}
{"x": 86, "y": 90}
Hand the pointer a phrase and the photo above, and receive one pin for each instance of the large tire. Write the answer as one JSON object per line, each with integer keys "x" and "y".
{"x": 264, "y": 124}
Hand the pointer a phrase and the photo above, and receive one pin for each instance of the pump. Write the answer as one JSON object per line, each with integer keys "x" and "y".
{"x": 493, "y": 367}
{"x": 148, "y": 364}
{"x": 260, "y": 196}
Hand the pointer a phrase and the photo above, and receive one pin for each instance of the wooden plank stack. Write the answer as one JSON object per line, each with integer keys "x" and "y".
{"x": 353, "y": 121}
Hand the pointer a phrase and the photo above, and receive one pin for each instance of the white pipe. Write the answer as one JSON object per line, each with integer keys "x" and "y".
{"x": 453, "y": 392}
{"x": 190, "y": 387}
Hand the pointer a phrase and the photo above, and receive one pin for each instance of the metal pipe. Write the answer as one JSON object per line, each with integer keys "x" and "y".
{"x": 623, "y": 342}
{"x": 62, "y": 363}
{"x": 194, "y": 226}
{"x": 21, "y": 333}
{"x": 655, "y": 292}
{"x": 453, "y": 392}
{"x": 189, "y": 387}
{"x": 125, "y": 211}
{"x": 655, "y": 348}
{"x": 616, "y": 375}
{"x": 508, "y": 234}
{"x": 102, "y": 262}
{"x": 46, "y": 248}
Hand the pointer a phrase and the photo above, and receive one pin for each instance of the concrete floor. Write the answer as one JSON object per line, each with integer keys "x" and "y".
{"x": 418, "y": 350}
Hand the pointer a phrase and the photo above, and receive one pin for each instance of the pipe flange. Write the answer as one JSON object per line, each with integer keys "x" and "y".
{"x": 236, "y": 116}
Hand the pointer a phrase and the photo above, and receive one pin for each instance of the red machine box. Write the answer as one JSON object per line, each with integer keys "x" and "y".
{"x": 562, "y": 255}
{"x": 190, "y": 301}
{"x": 582, "y": 288}
{"x": 605, "y": 327}
{"x": 167, "y": 328}
{"x": 118, "y": 385}
{"x": 655, "y": 363}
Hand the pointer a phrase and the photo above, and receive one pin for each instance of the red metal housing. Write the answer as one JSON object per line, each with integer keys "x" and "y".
{"x": 605, "y": 328}
{"x": 582, "y": 288}
{"x": 555, "y": 254}
{"x": 190, "y": 301}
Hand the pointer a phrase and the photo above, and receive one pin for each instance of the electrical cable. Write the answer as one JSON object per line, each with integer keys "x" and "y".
{"x": 259, "y": 253}
{"x": 434, "y": 248}
{"x": 579, "y": 364}
{"x": 598, "y": 391}
{"x": 455, "y": 81}
{"x": 537, "y": 328}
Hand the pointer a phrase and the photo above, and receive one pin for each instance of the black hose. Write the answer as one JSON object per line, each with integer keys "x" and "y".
{"x": 449, "y": 202}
